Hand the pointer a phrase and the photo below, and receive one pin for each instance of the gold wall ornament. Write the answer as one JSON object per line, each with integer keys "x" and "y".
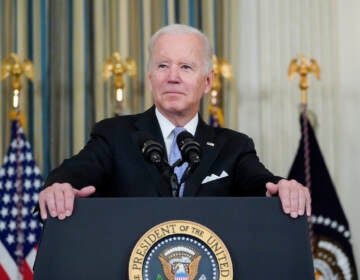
{"x": 12, "y": 66}
{"x": 222, "y": 69}
{"x": 115, "y": 66}
{"x": 303, "y": 69}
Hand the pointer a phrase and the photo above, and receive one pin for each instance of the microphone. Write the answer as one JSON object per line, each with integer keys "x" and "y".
{"x": 154, "y": 153}
{"x": 189, "y": 148}
{"x": 152, "y": 150}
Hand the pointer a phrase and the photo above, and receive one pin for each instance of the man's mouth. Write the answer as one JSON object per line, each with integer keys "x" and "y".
{"x": 173, "y": 92}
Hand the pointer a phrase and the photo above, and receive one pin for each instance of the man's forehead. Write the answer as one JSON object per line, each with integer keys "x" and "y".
{"x": 182, "y": 39}
{"x": 186, "y": 45}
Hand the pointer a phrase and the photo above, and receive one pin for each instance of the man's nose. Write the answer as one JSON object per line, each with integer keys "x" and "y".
{"x": 174, "y": 75}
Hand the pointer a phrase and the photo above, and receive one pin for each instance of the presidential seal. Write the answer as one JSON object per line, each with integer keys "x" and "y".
{"x": 180, "y": 250}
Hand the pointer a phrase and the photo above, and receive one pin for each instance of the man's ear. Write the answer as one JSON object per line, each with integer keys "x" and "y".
{"x": 148, "y": 81}
{"x": 209, "y": 79}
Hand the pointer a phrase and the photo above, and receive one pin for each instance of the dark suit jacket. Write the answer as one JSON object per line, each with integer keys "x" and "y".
{"x": 113, "y": 163}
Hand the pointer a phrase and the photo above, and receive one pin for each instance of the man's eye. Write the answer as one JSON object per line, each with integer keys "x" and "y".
{"x": 162, "y": 66}
{"x": 186, "y": 67}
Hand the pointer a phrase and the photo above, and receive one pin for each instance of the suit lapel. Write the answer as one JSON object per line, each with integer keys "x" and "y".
{"x": 205, "y": 135}
{"x": 147, "y": 123}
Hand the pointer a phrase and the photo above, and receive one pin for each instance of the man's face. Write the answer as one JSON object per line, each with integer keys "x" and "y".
{"x": 177, "y": 75}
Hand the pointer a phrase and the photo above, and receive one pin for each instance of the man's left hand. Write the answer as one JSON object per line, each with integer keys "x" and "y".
{"x": 294, "y": 197}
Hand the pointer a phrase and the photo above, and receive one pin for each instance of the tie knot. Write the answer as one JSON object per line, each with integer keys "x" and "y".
{"x": 177, "y": 130}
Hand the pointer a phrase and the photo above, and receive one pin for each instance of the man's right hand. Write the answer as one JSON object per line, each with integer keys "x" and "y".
{"x": 58, "y": 199}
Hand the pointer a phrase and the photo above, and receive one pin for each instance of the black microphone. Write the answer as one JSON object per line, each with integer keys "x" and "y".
{"x": 189, "y": 148}
{"x": 152, "y": 150}
{"x": 154, "y": 153}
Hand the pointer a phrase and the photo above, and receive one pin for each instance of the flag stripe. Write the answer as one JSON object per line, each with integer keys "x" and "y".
{"x": 3, "y": 274}
{"x": 8, "y": 265}
{"x": 27, "y": 271}
{"x": 30, "y": 259}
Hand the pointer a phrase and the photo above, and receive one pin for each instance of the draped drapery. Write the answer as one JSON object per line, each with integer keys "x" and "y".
{"x": 23, "y": 30}
{"x": 68, "y": 42}
{"x": 271, "y": 34}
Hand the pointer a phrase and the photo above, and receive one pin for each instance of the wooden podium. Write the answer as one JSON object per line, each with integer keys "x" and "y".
{"x": 97, "y": 240}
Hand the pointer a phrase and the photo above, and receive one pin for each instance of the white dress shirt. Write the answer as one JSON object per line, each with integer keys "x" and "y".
{"x": 167, "y": 128}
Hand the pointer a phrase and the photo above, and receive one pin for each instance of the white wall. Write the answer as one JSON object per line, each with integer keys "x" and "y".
{"x": 270, "y": 34}
{"x": 347, "y": 154}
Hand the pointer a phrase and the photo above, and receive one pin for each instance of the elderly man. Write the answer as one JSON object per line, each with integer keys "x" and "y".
{"x": 112, "y": 164}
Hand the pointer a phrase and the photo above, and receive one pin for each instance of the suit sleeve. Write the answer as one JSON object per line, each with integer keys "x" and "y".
{"x": 251, "y": 174}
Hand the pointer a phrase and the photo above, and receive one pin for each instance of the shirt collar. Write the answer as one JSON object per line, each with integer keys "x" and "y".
{"x": 167, "y": 127}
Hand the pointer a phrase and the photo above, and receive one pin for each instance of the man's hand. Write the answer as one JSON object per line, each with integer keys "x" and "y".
{"x": 294, "y": 197}
{"x": 59, "y": 199}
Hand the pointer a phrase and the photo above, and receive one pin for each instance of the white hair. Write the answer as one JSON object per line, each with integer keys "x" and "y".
{"x": 183, "y": 29}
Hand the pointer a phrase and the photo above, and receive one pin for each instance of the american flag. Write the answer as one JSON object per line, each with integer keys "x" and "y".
{"x": 213, "y": 120}
{"x": 216, "y": 118}
{"x": 20, "y": 182}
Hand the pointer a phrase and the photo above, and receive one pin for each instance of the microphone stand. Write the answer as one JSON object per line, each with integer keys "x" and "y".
{"x": 153, "y": 152}
{"x": 187, "y": 173}
{"x": 174, "y": 183}
{"x": 167, "y": 171}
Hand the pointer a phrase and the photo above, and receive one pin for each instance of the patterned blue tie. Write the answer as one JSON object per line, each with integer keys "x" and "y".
{"x": 174, "y": 155}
